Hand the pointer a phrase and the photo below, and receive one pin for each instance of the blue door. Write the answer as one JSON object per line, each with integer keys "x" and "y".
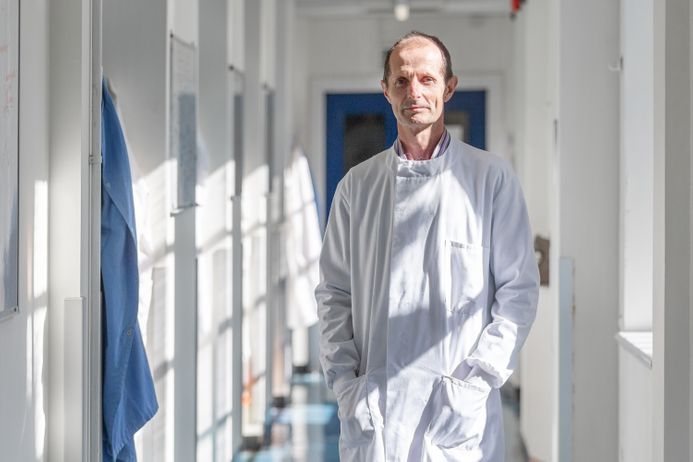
{"x": 360, "y": 125}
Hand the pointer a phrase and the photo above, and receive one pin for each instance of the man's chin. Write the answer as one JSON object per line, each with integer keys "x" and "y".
{"x": 419, "y": 122}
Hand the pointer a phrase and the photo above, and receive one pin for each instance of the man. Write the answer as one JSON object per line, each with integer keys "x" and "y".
{"x": 429, "y": 281}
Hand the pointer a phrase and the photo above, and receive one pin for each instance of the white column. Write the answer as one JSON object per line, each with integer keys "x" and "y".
{"x": 588, "y": 190}
{"x": 672, "y": 206}
{"x": 283, "y": 134}
{"x": 74, "y": 228}
{"x": 255, "y": 188}
{"x": 184, "y": 24}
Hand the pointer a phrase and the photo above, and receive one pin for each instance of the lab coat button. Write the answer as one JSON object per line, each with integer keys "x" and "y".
{"x": 129, "y": 332}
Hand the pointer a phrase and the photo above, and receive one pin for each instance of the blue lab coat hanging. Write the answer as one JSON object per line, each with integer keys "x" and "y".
{"x": 129, "y": 399}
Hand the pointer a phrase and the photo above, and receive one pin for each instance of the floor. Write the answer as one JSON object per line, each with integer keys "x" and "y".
{"x": 308, "y": 428}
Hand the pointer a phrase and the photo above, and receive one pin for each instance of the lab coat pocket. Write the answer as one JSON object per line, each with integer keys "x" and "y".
{"x": 459, "y": 414}
{"x": 356, "y": 423}
{"x": 465, "y": 280}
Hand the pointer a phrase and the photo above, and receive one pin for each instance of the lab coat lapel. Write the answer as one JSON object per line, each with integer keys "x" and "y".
{"x": 415, "y": 323}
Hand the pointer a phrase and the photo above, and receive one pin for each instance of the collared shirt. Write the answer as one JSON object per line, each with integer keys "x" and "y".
{"x": 439, "y": 150}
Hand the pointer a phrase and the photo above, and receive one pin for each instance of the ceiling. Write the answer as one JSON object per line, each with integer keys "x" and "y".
{"x": 345, "y": 8}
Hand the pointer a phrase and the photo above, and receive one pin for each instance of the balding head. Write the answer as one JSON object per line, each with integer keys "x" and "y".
{"x": 415, "y": 36}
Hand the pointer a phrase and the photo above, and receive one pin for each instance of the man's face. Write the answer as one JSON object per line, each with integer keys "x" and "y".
{"x": 416, "y": 87}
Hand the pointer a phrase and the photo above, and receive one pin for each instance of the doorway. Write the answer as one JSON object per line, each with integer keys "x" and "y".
{"x": 360, "y": 125}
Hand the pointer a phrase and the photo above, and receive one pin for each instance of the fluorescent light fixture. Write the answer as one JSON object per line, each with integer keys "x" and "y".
{"x": 402, "y": 11}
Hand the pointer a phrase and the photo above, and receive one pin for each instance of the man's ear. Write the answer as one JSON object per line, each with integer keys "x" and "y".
{"x": 450, "y": 87}
{"x": 383, "y": 85}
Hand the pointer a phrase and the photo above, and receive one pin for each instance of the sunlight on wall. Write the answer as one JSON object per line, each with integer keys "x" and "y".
{"x": 214, "y": 366}
{"x": 254, "y": 230}
{"x": 39, "y": 322}
{"x": 169, "y": 185}
{"x": 154, "y": 442}
{"x": 36, "y": 322}
{"x": 40, "y": 279}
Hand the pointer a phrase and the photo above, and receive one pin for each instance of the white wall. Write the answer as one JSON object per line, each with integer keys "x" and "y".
{"x": 537, "y": 379}
{"x": 588, "y": 135}
{"x": 532, "y": 87}
{"x": 24, "y": 339}
{"x": 534, "y": 102}
{"x": 134, "y": 58}
{"x": 268, "y": 39}
{"x": 635, "y": 403}
{"x": 637, "y": 153}
{"x": 300, "y": 84}
{"x": 571, "y": 179}
{"x": 636, "y": 225}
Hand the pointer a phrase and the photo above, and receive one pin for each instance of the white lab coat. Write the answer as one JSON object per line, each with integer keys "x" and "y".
{"x": 303, "y": 241}
{"x": 428, "y": 288}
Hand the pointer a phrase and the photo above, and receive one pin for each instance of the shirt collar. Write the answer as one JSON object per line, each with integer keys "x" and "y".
{"x": 439, "y": 150}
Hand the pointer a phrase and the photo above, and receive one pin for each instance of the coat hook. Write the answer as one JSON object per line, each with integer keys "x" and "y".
{"x": 618, "y": 66}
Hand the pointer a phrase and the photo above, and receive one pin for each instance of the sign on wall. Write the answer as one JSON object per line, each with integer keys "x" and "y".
{"x": 183, "y": 122}
{"x": 9, "y": 157}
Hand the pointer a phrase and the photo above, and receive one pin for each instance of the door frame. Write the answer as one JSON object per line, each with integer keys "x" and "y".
{"x": 491, "y": 82}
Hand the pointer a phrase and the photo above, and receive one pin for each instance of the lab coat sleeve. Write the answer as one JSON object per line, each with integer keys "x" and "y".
{"x": 338, "y": 354}
{"x": 514, "y": 268}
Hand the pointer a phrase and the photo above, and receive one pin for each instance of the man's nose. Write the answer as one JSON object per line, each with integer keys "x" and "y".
{"x": 414, "y": 88}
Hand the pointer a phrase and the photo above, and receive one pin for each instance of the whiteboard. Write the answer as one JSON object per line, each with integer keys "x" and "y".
{"x": 9, "y": 156}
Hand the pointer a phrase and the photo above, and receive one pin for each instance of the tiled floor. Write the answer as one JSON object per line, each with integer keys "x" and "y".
{"x": 308, "y": 429}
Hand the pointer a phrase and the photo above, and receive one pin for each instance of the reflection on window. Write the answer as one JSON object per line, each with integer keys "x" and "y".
{"x": 364, "y": 136}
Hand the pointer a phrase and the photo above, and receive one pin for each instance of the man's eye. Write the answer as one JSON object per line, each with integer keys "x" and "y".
{"x": 401, "y": 81}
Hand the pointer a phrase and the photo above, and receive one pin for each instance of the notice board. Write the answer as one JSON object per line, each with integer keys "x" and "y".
{"x": 183, "y": 141}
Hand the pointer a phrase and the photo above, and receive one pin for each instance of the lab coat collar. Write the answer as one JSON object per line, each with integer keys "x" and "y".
{"x": 423, "y": 168}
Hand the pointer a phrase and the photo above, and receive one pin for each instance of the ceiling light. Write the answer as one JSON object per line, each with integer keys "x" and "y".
{"x": 402, "y": 11}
